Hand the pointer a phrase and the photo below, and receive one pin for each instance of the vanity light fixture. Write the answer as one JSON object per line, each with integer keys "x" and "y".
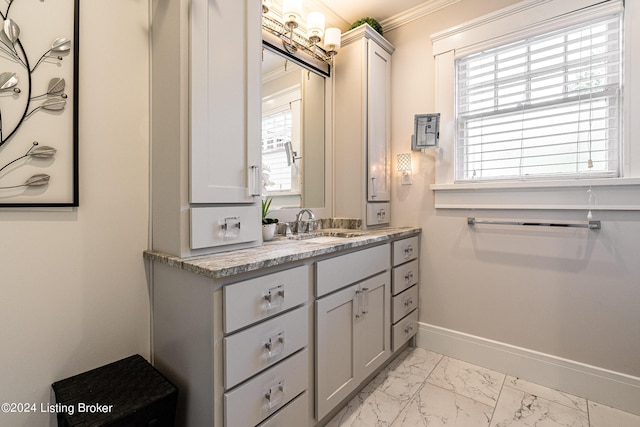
{"x": 404, "y": 166}
{"x": 289, "y": 27}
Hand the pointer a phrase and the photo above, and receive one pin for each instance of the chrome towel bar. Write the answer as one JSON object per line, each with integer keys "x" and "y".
{"x": 591, "y": 225}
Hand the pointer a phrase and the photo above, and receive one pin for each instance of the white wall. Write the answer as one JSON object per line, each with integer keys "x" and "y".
{"x": 72, "y": 281}
{"x": 567, "y": 293}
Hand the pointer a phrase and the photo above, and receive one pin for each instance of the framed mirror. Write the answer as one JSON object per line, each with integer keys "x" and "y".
{"x": 296, "y": 170}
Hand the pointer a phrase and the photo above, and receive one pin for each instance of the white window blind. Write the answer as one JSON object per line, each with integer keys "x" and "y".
{"x": 544, "y": 107}
{"x": 276, "y": 132}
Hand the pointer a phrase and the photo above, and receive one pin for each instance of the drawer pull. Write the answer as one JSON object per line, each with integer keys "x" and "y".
{"x": 382, "y": 215}
{"x": 231, "y": 227}
{"x": 408, "y": 329}
{"x": 274, "y": 345}
{"x": 365, "y": 308}
{"x": 408, "y": 251}
{"x": 408, "y": 278}
{"x": 275, "y": 294}
{"x": 275, "y": 395}
{"x": 408, "y": 303}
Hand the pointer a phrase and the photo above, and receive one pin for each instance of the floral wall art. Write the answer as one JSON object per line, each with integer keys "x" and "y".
{"x": 38, "y": 103}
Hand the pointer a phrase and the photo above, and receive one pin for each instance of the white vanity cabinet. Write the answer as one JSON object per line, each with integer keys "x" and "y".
{"x": 239, "y": 349}
{"x": 352, "y": 322}
{"x": 205, "y": 125}
{"x": 406, "y": 276}
{"x": 362, "y": 127}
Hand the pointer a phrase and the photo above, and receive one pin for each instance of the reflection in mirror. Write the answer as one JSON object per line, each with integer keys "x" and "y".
{"x": 293, "y": 133}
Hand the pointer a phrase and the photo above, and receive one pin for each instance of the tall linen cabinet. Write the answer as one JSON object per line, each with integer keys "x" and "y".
{"x": 362, "y": 136}
{"x": 205, "y": 115}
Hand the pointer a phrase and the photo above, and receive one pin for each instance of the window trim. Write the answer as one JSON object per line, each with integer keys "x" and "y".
{"x": 510, "y": 24}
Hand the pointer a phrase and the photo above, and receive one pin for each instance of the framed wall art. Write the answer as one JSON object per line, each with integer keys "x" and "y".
{"x": 39, "y": 103}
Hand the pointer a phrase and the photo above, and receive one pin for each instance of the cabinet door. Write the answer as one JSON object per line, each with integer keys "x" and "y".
{"x": 379, "y": 123}
{"x": 373, "y": 326}
{"x": 225, "y": 154}
{"x": 336, "y": 374}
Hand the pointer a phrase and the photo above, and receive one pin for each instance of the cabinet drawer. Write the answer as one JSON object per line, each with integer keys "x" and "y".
{"x": 404, "y": 330}
{"x": 219, "y": 226}
{"x": 338, "y": 272}
{"x": 248, "y": 352}
{"x": 293, "y": 414}
{"x": 261, "y": 397}
{"x": 378, "y": 213}
{"x": 256, "y": 299}
{"x": 405, "y": 250}
{"x": 405, "y": 276}
{"x": 404, "y": 303}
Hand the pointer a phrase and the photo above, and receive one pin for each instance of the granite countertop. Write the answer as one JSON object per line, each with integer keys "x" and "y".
{"x": 280, "y": 250}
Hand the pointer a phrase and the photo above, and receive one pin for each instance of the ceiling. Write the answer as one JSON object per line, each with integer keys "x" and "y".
{"x": 352, "y": 10}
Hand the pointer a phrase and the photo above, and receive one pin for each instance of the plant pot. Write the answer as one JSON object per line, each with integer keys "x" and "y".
{"x": 268, "y": 230}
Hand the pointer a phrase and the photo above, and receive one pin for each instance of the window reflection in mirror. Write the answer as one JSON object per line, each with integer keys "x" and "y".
{"x": 293, "y": 133}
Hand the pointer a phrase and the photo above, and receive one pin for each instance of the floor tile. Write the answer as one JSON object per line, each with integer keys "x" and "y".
{"x": 517, "y": 408}
{"x": 547, "y": 393}
{"x": 436, "y": 407}
{"x": 370, "y": 408}
{"x": 604, "y": 416}
{"x": 465, "y": 379}
{"x": 404, "y": 376}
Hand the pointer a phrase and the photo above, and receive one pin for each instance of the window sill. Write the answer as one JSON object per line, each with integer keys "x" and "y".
{"x": 609, "y": 194}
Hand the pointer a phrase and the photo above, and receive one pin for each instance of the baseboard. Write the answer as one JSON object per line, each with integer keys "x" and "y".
{"x": 590, "y": 382}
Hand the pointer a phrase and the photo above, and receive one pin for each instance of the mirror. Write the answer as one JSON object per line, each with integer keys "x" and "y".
{"x": 293, "y": 133}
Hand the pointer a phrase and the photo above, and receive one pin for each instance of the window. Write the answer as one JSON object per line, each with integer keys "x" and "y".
{"x": 281, "y": 142}
{"x": 548, "y": 106}
{"x": 276, "y": 134}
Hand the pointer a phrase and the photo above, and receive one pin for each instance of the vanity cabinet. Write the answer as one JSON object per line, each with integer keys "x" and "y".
{"x": 352, "y": 322}
{"x": 362, "y": 127}
{"x": 205, "y": 125}
{"x": 281, "y": 339}
{"x": 239, "y": 349}
{"x": 406, "y": 276}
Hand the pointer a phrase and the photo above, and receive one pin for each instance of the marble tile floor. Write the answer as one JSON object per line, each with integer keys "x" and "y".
{"x": 422, "y": 388}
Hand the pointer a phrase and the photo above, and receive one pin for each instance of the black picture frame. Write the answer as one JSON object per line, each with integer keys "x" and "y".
{"x": 63, "y": 136}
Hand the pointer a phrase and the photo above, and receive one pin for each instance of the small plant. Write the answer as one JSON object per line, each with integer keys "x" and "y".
{"x": 266, "y": 204}
{"x": 374, "y": 24}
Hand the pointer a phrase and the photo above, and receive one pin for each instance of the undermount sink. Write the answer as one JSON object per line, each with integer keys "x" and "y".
{"x": 324, "y": 239}
{"x": 327, "y": 236}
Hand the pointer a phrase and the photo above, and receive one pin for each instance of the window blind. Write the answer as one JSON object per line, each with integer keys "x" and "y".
{"x": 544, "y": 107}
{"x": 276, "y": 132}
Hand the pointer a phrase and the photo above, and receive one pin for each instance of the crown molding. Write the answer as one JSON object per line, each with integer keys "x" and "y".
{"x": 414, "y": 13}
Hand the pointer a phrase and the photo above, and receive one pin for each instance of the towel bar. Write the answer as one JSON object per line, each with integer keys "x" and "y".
{"x": 591, "y": 225}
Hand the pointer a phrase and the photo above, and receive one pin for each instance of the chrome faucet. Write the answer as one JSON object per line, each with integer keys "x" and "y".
{"x": 302, "y": 212}
{"x": 305, "y": 226}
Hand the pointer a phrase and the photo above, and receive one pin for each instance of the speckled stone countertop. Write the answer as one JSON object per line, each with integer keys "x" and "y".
{"x": 280, "y": 250}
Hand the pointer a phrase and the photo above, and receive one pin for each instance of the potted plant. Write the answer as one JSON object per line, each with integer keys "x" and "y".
{"x": 268, "y": 224}
{"x": 371, "y": 21}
